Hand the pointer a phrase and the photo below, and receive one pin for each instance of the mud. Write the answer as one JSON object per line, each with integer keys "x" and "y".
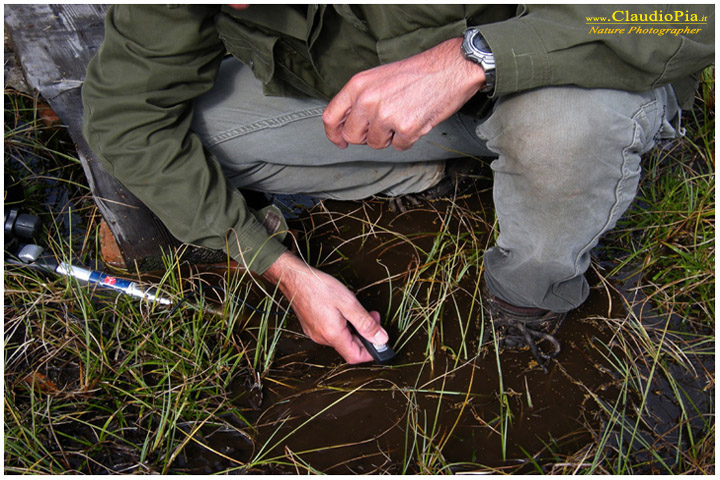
{"x": 439, "y": 407}
{"x": 360, "y": 419}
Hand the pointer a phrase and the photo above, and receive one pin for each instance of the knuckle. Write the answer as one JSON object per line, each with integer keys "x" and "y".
{"x": 384, "y": 115}
{"x": 358, "y": 79}
{"x": 405, "y": 130}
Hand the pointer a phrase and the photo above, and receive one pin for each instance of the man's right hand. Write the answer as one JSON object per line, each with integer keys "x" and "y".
{"x": 324, "y": 306}
{"x": 398, "y": 103}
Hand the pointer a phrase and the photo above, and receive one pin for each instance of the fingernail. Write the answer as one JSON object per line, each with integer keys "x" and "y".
{"x": 380, "y": 338}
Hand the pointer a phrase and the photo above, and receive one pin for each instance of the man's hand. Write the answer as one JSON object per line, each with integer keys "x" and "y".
{"x": 324, "y": 306}
{"x": 400, "y": 102}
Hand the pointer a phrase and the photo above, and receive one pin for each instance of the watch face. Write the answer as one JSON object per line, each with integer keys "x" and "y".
{"x": 477, "y": 50}
{"x": 479, "y": 43}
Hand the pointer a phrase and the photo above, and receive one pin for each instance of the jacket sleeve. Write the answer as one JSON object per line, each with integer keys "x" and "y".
{"x": 555, "y": 45}
{"x": 138, "y": 98}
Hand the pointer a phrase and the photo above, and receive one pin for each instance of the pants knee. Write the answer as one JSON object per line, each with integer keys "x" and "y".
{"x": 568, "y": 166}
{"x": 556, "y": 137}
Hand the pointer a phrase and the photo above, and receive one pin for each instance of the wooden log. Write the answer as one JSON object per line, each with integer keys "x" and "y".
{"x": 54, "y": 44}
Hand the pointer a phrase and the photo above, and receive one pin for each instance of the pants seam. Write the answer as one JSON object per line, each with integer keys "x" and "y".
{"x": 618, "y": 187}
{"x": 264, "y": 124}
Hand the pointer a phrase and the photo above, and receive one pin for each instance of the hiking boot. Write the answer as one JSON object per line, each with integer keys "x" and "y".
{"x": 520, "y": 327}
{"x": 455, "y": 179}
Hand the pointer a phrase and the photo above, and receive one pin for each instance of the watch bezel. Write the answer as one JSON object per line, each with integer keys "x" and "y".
{"x": 478, "y": 55}
{"x": 484, "y": 58}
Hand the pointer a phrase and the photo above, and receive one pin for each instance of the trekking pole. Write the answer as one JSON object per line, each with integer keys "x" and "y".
{"x": 24, "y": 226}
{"x": 34, "y": 256}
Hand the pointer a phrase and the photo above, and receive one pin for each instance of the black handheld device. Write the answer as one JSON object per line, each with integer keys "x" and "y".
{"x": 382, "y": 354}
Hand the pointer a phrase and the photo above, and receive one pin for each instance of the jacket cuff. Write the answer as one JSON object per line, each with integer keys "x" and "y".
{"x": 259, "y": 249}
{"x": 521, "y": 60}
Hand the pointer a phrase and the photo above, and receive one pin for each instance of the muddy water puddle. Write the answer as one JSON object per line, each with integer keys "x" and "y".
{"x": 418, "y": 416}
{"x": 448, "y": 402}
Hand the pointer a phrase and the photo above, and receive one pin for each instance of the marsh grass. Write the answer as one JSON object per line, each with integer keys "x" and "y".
{"x": 430, "y": 284}
{"x": 96, "y": 383}
{"x": 648, "y": 359}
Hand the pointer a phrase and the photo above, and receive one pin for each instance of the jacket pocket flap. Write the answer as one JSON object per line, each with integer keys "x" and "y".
{"x": 250, "y": 46}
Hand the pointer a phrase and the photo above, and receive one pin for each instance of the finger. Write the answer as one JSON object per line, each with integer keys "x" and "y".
{"x": 334, "y": 118}
{"x": 405, "y": 139}
{"x": 355, "y": 127}
{"x": 379, "y": 136}
{"x": 351, "y": 348}
{"x": 366, "y": 324}
{"x": 402, "y": 142}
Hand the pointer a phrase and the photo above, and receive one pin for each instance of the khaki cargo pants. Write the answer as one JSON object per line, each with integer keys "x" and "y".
{"x": 567, "y": 165}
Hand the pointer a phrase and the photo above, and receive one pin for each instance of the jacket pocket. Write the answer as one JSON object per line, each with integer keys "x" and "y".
{"x": 252, "y": 47}
{"x": 411, "y": 43}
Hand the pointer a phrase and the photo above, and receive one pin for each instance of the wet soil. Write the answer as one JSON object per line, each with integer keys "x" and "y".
{"x": 442, "y": 405}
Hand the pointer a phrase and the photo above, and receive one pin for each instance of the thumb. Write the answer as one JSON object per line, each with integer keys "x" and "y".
{"x": 368, "y": 325}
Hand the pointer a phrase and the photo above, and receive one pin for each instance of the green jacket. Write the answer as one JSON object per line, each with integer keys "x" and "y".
{"x": 155, "y": 60}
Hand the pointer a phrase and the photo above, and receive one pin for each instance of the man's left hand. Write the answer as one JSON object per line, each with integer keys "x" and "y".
{"x": 396, "y": 104}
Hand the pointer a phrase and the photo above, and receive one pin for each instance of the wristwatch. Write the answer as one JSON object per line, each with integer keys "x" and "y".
{"x": 476, "y": 49}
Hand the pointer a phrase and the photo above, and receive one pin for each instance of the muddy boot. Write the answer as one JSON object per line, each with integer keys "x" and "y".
{"x": 520, "y": 327}
{"x": 456, "y": 179}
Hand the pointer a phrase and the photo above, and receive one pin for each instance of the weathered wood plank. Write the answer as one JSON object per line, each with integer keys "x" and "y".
{"x": 54, "y": 44}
